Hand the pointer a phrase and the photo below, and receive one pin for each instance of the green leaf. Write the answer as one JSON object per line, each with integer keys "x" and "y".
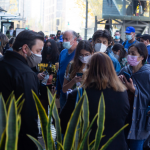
{"x": 18, "y": 100}
{"x": 113, "y": 137}
{"x": 86, "y": 133}
{"x": 9, "y": 100}
{"x": 85, "y": 119}
{"x": 19, "y": 123}
{"x": 69, "y": 137}
{"x": 19, "y": 108}
{"x": 60, "y": 145}
{"x": 43, "y": 117}
{"x": 50, "y": 141}
{"x": 56, "y": 117}
{"x": 36, "y": 142}
{"x": 91, "y": 145}
{"x": 12, "y": 127}
{"x": 3, "y": 115}
{"x": 3, "y": 140}
{"x": 100, "y": 122}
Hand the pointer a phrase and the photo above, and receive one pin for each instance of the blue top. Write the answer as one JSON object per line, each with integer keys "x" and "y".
{"x": 140, "y": 126}
{"x": 148, "y": 48}
{"x": 115, "y": 63}
{"x": 127, "y": 44}
{"x": 64, "y": 60}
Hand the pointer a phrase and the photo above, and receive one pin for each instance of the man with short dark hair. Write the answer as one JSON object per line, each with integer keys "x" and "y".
{"x": 118, "y": 38}
{"x": 146, "y": 40}
{"x": 101, "y": 41}
{"x": 16, "y": 75}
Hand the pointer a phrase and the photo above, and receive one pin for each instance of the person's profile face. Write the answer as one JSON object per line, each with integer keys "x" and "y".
{"x": 37, "y": 48}
{"x": 102, "y": 40}
{"x": 144, "y": 41}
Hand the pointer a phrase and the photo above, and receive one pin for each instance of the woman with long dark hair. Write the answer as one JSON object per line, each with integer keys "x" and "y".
{"x": 120, "y": 54}
{"x": 82, "y": 55}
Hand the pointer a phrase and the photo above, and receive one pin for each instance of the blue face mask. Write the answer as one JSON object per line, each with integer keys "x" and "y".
{"x": 67, "y": 45}
{"x": 129, "y": 37}
{"x": 117, "y": 37}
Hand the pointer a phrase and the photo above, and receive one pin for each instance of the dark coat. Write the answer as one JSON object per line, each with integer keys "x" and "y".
{"x": 140, "y": 125}
{"x": 16, "y": 75}
{"x": 117, "y": 108}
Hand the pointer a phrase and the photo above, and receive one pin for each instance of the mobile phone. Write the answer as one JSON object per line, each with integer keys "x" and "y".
{"x": 127, "y": 75}
{"x": 79, "y": 74}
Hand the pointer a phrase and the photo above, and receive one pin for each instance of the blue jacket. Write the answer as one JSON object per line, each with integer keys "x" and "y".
{"x": 127, "y": 44}
{"x": 64, "y": 60}
{"x": 115, "y": 62}
{"x": 140, "y": 125}
{"x": 148, "y": 48}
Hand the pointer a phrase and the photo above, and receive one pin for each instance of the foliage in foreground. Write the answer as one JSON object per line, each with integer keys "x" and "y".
{"x": 10, "y": 122}
{"x": 78, "y": 128}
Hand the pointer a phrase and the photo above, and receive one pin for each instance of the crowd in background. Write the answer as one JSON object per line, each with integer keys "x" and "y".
{"x": 120, "y": 69}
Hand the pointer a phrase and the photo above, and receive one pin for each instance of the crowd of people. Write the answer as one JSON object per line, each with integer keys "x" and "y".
{"x": 120, "y": 69}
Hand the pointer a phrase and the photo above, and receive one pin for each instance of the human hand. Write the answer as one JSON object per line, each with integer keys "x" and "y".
{"x": 129, "y": 85}
{"x": 77, "y": 79}
{"x": 41, "y": 76}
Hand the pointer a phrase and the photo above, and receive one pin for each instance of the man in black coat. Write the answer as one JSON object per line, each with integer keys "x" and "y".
{"x": 16, "y": 75}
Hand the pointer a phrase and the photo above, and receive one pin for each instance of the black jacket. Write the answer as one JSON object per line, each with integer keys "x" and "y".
{"x": 117, "y": 108}
{"x": 16, "y": 75}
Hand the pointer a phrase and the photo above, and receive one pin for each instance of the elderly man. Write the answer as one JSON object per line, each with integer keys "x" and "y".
{"x": 66, "y": 55}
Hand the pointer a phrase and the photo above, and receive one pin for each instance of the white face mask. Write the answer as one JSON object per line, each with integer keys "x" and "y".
{"x": 67, "y": 45}
{"x": 99, "y": 47}
{"x": 116, "y": 56}
{"x": 84, "y": 59}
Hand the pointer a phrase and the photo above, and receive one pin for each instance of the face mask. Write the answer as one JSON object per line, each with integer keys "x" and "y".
{"x": 117, "y": 37}
{"x": 84, "y": 59}
{"x": 116, "y": 56}
{"x": 129, "y": 37}
{"x": 99, "y": 47}
{"x": 34, "y": 59}
{"x": 67, "y": 45}
{"x": 132, "y": 60}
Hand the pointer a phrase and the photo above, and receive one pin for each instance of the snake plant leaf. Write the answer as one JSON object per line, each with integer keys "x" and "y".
{"x": 18, "y": 100}
{"x": 86, "y": 133}
{"x": 60, "y": 145}
{"x": 100, "y": 122}
{"x": 9, "y": 100}
{"x": 113, "y": 137}
{"x": 56, "y": 117}
{"x": 19, "y": 123}
{"x": 91, "y": 145}
{"x": 12, "y": 127}
{"x": 42, "y": 115}
{"x": 69, "y": 137}
{"x": 85, "y": 120}
{"x": 19, "y": 108}
{"x": 3, "y": 140}
{"x": 37, "y": 143}
{"x": 3, "y": 115}
{"x": 50, "y": 141}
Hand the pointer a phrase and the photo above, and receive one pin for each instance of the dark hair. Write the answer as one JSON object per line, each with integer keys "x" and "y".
{"x": 52, "y": 51}
{"x": 77, "y": 64}
{"x": 142, "y": 50}
{"x": 120, "y": 47}
{"x": 11, "y": 27}
{"x": 26, "y": 37}
{"x": 41, "y": 33}
{"x": 102, "y": 33}
{"x": 11, "y": 41}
